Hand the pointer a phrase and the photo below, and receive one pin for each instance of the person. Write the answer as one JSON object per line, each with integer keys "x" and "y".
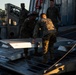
{"x": 54, "y": 14}
{"x": 22, "y": 16}
{"x": 27, "y": 29}
{"x": 48, "y": 36}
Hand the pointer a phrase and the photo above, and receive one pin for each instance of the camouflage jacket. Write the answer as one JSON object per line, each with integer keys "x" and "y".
{"x": 46, "y": 26}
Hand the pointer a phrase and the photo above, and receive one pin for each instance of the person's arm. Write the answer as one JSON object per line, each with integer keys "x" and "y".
{"x": 47, "y": 13}
{"x": 58, "y": 14}
{"x": 35, "y": 32}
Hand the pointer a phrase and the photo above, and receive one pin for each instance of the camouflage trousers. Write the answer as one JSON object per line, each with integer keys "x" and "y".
{"x": 48, "y": 46}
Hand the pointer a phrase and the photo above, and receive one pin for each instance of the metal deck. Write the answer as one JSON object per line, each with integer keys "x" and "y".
{"x": 34, "y": 66}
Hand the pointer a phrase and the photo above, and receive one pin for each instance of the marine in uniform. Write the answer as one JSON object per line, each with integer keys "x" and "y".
{"x": 48, "y": 36}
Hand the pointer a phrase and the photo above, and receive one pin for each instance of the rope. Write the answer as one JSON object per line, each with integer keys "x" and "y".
{"x": 59, "y": 59}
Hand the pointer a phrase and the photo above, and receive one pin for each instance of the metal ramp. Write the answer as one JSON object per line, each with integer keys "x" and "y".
{"x": 37, "y": 66}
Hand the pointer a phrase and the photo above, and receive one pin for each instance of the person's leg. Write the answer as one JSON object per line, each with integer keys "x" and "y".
{"x": 51, "y": 51}
{"x": 51, "y": 45}
{"x": 36, "y": 49}
{"x": 45, "y": 50}
{"x": 26, "y": 52}
{"x": 56, "y": 26}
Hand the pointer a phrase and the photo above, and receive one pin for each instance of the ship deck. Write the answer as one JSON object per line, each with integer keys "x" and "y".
{"x": 13, "y": 59}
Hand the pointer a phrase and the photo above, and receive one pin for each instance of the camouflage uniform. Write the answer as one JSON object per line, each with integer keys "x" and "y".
{"x": 54, "y": 15}
{"x": 27, "y": 28}
{"x": 27, "y": 31}
{"x": 48, "y": 37}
